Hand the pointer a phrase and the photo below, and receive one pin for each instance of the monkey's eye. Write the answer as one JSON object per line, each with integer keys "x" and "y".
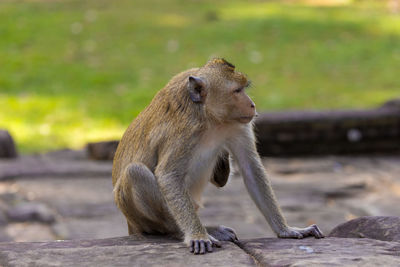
{"x": 238, "y": 90}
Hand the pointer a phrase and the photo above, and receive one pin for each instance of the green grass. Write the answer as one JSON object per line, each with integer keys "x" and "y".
{"x": 78, "y": 71}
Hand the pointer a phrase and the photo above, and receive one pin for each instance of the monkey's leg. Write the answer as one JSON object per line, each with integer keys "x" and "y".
{"x": 131, "y": 229}
{"x": 222, "y": 233}
{"x": 138, "y": 197}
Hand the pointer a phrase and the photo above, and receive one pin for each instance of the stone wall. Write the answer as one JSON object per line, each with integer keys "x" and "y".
{"x": 7, "y": 145}
{"x": 330, "y": 132}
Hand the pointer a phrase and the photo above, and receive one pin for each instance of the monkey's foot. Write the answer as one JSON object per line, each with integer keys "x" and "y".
{"x": 223, "y": 233}
{"x": 202, "y": 246}
{"x": 294, "y": 232}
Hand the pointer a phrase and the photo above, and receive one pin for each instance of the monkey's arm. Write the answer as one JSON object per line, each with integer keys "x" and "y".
{"x": 256, "y": 181}
{"x": 182, "y": 209}
{"x": 221, "y": 170}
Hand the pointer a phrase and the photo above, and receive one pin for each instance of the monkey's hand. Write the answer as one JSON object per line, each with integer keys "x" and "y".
{"x": 222, "y": 233}
{"x": 203, "y": 245}
{"x": 294, "y": 232}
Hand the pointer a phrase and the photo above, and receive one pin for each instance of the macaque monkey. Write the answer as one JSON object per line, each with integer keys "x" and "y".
{"x": 183, "y": 140}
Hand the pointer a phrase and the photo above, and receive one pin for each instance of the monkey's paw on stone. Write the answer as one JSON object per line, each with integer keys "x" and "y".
{"x": 222, "y": 233}
{"x": 203, "y": 246}
{"x": 294, "y": 232}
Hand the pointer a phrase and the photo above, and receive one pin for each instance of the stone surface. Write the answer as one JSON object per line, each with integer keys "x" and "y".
{"x": 3, "y": 218}
{"x": 4, "y": 237}
{"x": 124, "y": 251}
{"x": 386, "y": 228}
{"x": 323, "y": 252}
{"x": 391, "y": 104}
{"x": 102, "y": 150}
{"x": 28, "y": 231}
{"x": 330, "y": 132}
{"x": 323, "y": 190}
{"x": 60, "y": 163}
{"x": 7, "y": 145}
{"x": 158, "y": 251}
{"x": 30, "y": 212}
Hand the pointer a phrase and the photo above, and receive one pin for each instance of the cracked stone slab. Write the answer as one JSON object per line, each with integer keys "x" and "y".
{"x": 123, "y": 251}
{"x": 55, "y": 164}
{"x": 385, "y": 228}
{"x": 323, "y": 252}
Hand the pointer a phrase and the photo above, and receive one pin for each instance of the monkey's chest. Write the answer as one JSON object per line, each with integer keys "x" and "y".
{"x": 200, "y": 171}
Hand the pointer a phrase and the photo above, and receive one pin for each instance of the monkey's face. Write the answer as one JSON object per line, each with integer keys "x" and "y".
{"x": 227, "y": 100}
{"x": 221, "y": 90}
{"x": 237, "y": 104}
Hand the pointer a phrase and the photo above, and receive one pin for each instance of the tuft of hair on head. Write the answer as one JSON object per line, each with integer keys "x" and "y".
{"x": 220, "y": 62}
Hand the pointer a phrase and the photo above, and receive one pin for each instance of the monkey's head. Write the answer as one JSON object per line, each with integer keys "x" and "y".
{"x": 221, "y": 91}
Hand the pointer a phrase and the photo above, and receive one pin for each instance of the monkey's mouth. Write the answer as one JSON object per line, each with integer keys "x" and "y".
{"x": 246, "y": 119}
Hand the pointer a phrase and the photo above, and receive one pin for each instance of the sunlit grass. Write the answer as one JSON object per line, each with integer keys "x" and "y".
{"x": 77, "y": 71}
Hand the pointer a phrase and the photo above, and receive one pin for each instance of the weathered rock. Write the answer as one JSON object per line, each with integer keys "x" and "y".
{"x": 4, "y": 237}
{"x": 158, "y": 251}
{"x": 386, "y": 228}
{"x": 87, "y": 210}
{"x": 330, "y": 132}
{"x": 10, "y": 198}
{"x": 124, "y": 251}
{"x": 392, "y": 104}
{"x": 7, "y": 145}
{"x": 3, "y": 218}
{"x": 102, "y": 150}
{"x": 50, "y": 165}
{"x": 30, "y": 211}
{"x": 28, "y": 231}
{"x": 323, "y": 252}
{"x": 322, "y": 190}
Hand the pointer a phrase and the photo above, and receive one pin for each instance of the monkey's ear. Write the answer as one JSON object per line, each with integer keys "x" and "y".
{"x": 196, "y": 88}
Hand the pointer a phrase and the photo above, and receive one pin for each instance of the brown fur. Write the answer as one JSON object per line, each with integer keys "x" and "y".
{"x": 170, "y": 151}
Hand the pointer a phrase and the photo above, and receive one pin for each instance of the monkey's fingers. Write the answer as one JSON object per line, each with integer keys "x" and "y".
{"x": 196, "y": 247}
{"x": 312, "y": 230}
{"x": 321, "y": 234}
{"x": 191, "y": 246}
{"x": 215, "y": 242}
{"x": 231, "y": 234}
{"x": 209, "y": 246}
{"x": 200, "y": 246}
{"x": 291, "y": 233}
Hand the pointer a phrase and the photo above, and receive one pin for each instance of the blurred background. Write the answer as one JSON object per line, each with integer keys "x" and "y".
{"x": 74, "y": 71}
{"x": 79, "y": 71}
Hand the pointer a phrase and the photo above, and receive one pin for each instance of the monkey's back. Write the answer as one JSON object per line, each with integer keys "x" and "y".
{"x": 167, "y": 121}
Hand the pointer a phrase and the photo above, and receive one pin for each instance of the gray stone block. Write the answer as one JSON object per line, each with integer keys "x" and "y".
{"x": 330, "y": 132}
{"x": 30, "y": 211}
{"x": 386, "y": 228}
{"x": 323, "y": 252}
{"x": 102, "y": 150}
{"x": 124, "y": 251}
{"x": 7, "y": 145}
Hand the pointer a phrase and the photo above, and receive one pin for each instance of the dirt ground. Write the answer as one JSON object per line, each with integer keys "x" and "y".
{"x": 63, "y": 195}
